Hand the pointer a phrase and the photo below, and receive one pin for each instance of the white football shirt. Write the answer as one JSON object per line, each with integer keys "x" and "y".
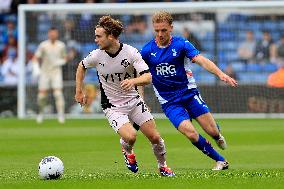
{"x": 112, "y": 69}
{"x": 51, "y": 54}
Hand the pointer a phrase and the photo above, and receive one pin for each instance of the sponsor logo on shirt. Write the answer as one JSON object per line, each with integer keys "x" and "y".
{"x": 154, "y": 54}
{"x": 116, "y": 77}
{"x": 174, "y": 52}
{"x": 166, "y": 70}
{"x": 125, "y": 63}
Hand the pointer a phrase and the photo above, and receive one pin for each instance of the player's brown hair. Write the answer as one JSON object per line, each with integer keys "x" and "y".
{"x": 111, "y": 26}
{"x": 162, "y": 16}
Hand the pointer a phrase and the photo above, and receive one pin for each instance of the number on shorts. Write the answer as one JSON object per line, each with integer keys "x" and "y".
{"x": 199, "y": 99}
{"x": 143, "y": 105}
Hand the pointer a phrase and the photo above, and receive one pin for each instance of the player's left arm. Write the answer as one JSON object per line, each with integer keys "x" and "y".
{"x": 143, "y": 79}
{"x": 211, "y": 67}
{"x": 63, "y": 56}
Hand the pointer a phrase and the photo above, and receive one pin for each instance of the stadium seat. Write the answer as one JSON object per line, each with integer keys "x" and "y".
{"x": 205, "y": 78}
{"x": 239, "y": 66}
{"x": 252, "y": 77}
{"x": 254, "y": 67}
{"x": 269, "y": 67}
{"x": 32, "y": 47}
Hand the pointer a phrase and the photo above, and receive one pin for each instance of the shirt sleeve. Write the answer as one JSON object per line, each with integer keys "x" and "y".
{"x": 39, "y": 51}
{"x": 190, "y": 50}
{"x": 90, "y": 60}
{"x": 139, "y": 64}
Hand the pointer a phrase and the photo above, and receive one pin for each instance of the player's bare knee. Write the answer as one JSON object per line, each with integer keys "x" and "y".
{"x": 155, "y": 139}
{"x": 192, "y": 136}
{"x": 131, "y": 138}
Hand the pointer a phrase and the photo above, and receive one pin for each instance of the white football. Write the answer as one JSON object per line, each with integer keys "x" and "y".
{"x": 50, "y": 167}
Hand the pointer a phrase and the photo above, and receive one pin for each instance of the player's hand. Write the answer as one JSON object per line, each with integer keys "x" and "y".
{"x": 80, "y": 98}
{"x": 224, "y": 77}
{"x": 127, "y": 84}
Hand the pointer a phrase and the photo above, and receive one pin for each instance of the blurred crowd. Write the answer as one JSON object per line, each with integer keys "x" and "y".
{"x": 247, "y": 47}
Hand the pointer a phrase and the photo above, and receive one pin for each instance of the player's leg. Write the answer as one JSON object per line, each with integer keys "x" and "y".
{"x": 181, "y": 120}
{"x": 127, "y": 139}
{"x": 41, "y": 101}
{"x": 142, "y": 117}
{"x": 187, "y": 129}
{"x": 198, "y": 110}
{"x": 207, "y": 122}
{"x": 119, "y": 121}
{"x": 57, "y": 86}
{"x": 158, "y": 145}
{"x": 43, "y": 87}
{"x": 60, "y": 104}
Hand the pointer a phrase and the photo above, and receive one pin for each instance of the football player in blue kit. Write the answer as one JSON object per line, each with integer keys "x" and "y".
{"x": 176, "y": 89}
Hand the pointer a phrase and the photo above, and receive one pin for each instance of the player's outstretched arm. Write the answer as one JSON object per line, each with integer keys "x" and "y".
{"x": 211, "y": 67}
{"x": 80, "y": 75}
{"x": 143, "y": 79}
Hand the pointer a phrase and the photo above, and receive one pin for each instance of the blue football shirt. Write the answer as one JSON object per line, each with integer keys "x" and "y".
{"x": 167, "y": 65}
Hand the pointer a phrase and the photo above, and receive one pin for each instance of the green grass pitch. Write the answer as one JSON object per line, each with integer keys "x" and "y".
{"x": 92, "y": 156}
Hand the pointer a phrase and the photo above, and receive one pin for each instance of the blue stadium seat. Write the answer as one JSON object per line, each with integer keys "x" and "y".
{"x": 204, "y": 78}
{"x": 239, "y": 66}
{"x": 208, "y": 46}
{"x": 43, "y": 27}
{"x": 270, "y": 25}
{"x": 252, "y": 78}
{"x": 254, "y": 67}
{"x": 222, "y": 65}
{"x": 2, "y": 46}
{"x": 281, "y": 26}
{"x": 91, "y": 76}
{"x": 195, "y": 68}
{"x": 269, "y": 67}
{"x": 32, "y": 47}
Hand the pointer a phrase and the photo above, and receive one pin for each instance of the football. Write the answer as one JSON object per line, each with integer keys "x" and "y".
{"x": 50, "y": 167}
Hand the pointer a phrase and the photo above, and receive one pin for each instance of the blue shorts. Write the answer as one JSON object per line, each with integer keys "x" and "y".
{"x": 189, "y": 106}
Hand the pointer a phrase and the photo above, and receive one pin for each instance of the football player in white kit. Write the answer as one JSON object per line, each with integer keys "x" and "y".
{"x": 117, "y": 65}
{"x": 51, "y": 54}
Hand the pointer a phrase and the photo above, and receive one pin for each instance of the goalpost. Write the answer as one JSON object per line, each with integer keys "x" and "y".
{"x": 219, "y": 26}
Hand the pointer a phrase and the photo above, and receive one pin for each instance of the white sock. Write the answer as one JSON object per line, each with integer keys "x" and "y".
{"x": 160, "y": 153}
{"x": 59, "y": 102}
{"x": 41, "y": 100}
{"x": 127, "y": 147}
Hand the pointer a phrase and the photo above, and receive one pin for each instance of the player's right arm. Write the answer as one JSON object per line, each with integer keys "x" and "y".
{"x": 80, "y": 75}
{"x": 88, "y": 62}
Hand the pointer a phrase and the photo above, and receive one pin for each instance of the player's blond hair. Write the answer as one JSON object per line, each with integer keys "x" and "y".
{"x": 111, "y": 26}
{"x": 162, "y": 16}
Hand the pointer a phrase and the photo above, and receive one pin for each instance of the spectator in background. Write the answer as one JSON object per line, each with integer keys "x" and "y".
{"x": 247, "y": 48}
{"x": 10, "y": 46}
{"x": 11, "y": 30}
{"x": 192, "y": 38}
{"x": 137, "y": 24}
{"x": 68, "y": 32}
{"x": 229, "y": 70}
{"x": 10, "y": 69}
{"x": 278, "y": 52}
{"x": 263, "y": 48}
{"x": 73, "y": 56}
{"x": 93, "y": 101}
{"x": 276, "y": 79}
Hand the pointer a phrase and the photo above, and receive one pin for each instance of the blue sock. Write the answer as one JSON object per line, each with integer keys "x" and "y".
{"x": 207, "y": 149}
